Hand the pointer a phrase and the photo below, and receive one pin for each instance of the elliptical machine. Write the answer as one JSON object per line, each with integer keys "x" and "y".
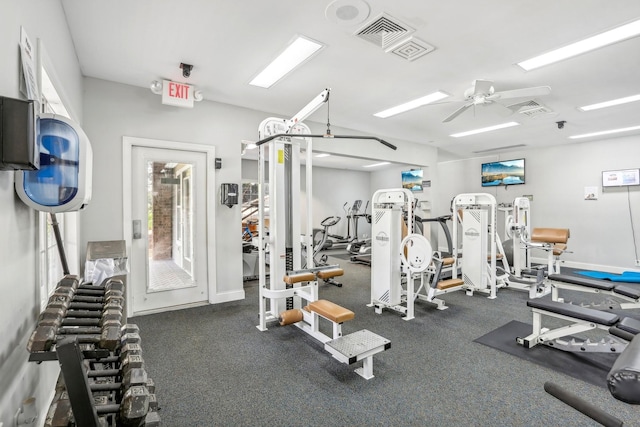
{"x": 357, "y": 245}
{"x": 320, "y": 242}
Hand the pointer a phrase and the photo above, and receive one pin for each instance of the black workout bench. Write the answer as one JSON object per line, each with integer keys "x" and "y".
{"x": 621, "y": 290}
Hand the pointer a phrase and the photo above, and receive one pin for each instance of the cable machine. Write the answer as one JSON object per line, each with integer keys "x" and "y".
{"x": 291, "y": 294}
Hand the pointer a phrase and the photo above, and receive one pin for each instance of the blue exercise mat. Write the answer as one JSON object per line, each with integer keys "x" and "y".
{"x": 627, "y": 276}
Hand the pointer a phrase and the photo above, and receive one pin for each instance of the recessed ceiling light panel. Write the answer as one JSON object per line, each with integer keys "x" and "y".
{"x": 599, "y": 40}
{"x": 298, "y": 52}
{"x": 483, "y": 130}
{"x": 611, "y": 103}
{"x": 419, "y": 102}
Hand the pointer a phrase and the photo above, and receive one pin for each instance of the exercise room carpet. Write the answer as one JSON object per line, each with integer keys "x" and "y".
{"x": 588, "y": 367}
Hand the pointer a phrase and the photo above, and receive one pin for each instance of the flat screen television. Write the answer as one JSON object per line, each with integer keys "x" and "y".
{"x": 504, "y": 172}
{"x": 620, "y": 178}
{"x": 412, "y": 179}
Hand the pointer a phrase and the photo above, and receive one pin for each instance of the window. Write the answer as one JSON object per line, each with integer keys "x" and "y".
{"x": 50, "y": 266}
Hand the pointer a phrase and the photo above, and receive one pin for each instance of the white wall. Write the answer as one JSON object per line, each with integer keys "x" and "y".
{"x": 601, "y": 233}
{"x": 20, "y": 306}
{"x": 115, "y": 110}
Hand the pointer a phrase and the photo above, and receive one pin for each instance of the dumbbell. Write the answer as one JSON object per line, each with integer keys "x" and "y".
{"x": 107, "y": 336}
{"x": 126, "y": 365}
{"x": 53, "y": 318}
{"x": 131, "y": 411}
{"x": 88, "y": 289}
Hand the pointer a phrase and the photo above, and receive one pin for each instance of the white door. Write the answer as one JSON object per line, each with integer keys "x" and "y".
{"x": 168, "y": 255}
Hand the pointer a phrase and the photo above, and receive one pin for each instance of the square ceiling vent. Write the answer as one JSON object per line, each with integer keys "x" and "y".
{"x": 385, "y": 31}
{"x": 412, "y": 48}
{"x": 530, "y": 108}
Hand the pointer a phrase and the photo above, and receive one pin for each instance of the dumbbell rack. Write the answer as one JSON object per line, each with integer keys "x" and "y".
{"x": 102, "y": 382}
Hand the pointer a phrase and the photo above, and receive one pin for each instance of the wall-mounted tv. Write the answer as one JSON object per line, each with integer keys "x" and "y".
{"x": 507, "y": 172}
{"x": 620, "y": 178}
{"x": 412, "y": 179}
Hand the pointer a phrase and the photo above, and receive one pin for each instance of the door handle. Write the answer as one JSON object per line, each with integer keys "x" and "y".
{"x": 137, "y": 229}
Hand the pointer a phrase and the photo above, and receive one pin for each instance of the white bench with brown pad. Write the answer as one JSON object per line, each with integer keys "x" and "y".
{"x": 357, "y": 346}
{"x": 554, "y": 242}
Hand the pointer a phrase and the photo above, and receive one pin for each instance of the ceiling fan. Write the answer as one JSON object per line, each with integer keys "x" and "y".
{"x": 482, "y": 93}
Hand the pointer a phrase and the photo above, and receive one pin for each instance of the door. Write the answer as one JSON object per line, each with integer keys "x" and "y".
{"x": 169, "y": 253}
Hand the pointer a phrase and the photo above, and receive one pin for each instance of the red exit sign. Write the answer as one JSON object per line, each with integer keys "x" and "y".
{"x": 177, "y": 94}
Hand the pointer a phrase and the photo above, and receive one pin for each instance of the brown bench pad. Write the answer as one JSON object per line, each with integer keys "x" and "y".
{"x": 449, "y": 283}
{"x": 290, "y": 279}
{"x": 331, "y": 311}
{"x": 329, "y": 273}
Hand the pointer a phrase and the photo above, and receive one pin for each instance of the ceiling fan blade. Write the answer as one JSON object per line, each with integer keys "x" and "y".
{"x": 529, "y": 92}
{"x": 459, "y": 111}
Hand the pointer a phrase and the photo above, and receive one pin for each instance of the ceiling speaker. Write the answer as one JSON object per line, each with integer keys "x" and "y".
{"x": 347, "y": 12}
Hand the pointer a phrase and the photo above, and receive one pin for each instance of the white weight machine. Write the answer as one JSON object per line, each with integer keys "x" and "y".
{"x": 391, "y": 218}
{"x": 517, "y": 227}
{"x": 397, "y": 262}
{"x": 475, "y": 215}
{"x": 289, "y": 294}
{"x": 518, "y": 273}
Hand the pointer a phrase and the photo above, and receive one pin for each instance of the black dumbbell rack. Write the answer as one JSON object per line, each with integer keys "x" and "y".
{"x": 94, "y": 389}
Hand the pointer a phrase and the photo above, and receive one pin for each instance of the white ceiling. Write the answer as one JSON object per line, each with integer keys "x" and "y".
{"x": 229, "y": 42}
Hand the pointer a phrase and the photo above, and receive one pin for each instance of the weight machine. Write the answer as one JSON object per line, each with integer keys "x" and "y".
{"x": 515, "y": 251}
{"x": 388, "y": 226}
{"x": 290, "y": 295}
{"x": 475, "y": 215}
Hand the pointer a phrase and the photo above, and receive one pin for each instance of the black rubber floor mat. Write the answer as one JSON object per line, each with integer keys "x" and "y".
{"x": 588, "y": 367}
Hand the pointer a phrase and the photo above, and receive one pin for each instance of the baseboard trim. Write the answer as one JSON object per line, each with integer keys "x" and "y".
{"x": 227, "y": 297}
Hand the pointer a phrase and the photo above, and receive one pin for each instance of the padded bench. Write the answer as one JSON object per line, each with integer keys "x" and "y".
{"x": 582, "y": 319}
{"x": 622, "y": 290}
{"x": 570, "y": 310}
{"x": 449, "y": 283}
{"x": 331, "y": 311}
{"x": 326, "y": 274}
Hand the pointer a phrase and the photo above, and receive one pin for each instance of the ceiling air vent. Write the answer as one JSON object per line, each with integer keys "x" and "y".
{"x": 506, "y": 147}
{"x": 412, "y": 49}
{"x": 385, "y": 31}
{"x": 530, "y": 108}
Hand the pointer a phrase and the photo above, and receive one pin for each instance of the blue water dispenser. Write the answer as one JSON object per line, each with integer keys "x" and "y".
{"x": 63, "y": 182}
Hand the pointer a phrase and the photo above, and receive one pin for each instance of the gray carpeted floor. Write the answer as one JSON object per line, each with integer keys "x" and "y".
{"x": 212, "y": 367}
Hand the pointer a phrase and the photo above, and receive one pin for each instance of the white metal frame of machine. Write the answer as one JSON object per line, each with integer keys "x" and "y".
{"x": 387, "y": 230}
{"x": 475, "y": 214}
{"x": 289, "y": 287}
{"x": 518, "y": 274}
{"x": 517, "y": 226}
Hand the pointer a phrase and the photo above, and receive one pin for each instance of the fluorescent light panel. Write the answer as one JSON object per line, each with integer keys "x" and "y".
{"x": 376, "y": 164}
{"x": 487, "y": 129}
{"x": 603, "y": 39}
{"x": 322, "y": 155}
{"x": 611, "y": 103}
{"x": 428, "y": 99}
{"x": 295, "y": 54}
{"x": 605, "y": 132}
